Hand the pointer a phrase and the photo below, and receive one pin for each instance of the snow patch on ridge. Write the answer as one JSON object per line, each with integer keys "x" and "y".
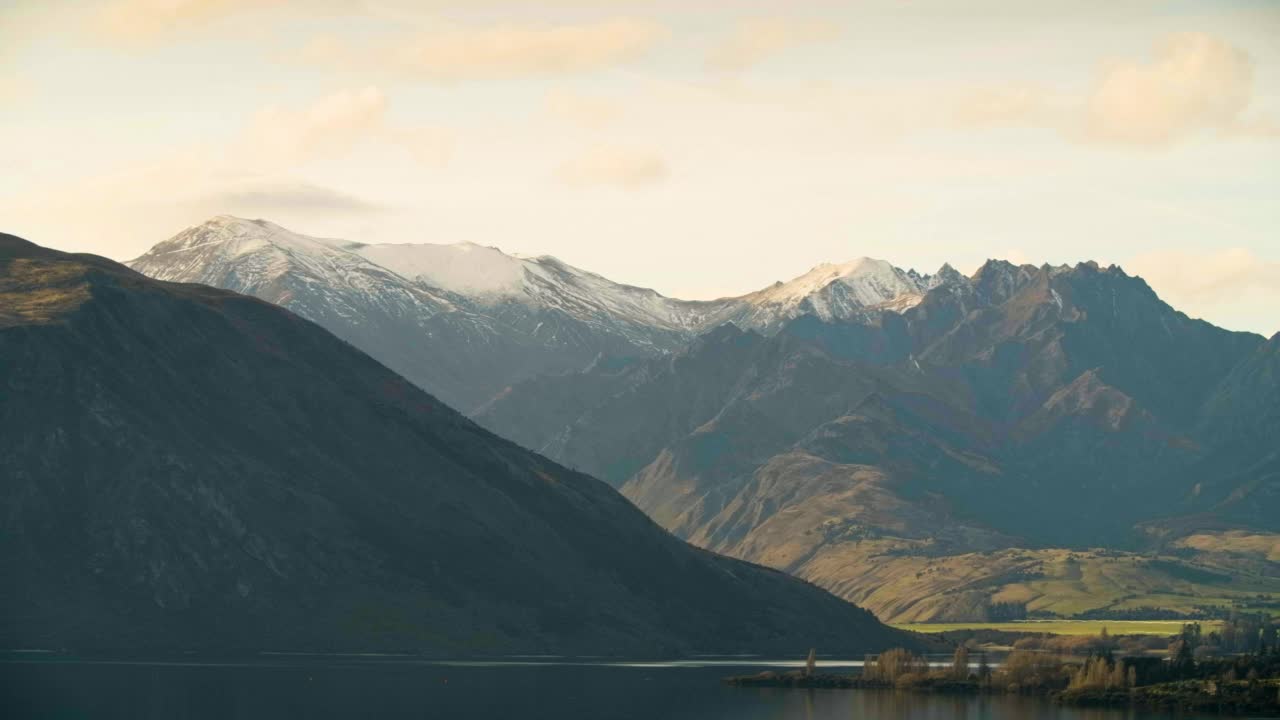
{"x": 464, "y": 268}
{"x": 248, "y": 255}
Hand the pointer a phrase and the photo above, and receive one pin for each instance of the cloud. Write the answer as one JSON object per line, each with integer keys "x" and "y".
{"x": 272, "y": 197}
{"x": 253, "y": 173}
{"x": 752, "y": 41}
{"x": 146, "y": 20}
{"x": 993, "y": 107}
{"x": 584, "y": 111}
{"x": 280, "y": 137}
{"x": 621, "y": 167}
{"x": 516, "y": 51}
{"x": 1194, "y": 82}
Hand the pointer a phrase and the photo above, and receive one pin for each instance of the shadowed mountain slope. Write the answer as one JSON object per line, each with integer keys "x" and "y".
{"x": 187, "y": 468}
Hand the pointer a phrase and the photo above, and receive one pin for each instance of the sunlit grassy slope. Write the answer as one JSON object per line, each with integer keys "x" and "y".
{"x": 904, "y": 584}
{"x": 1067, "y": 627}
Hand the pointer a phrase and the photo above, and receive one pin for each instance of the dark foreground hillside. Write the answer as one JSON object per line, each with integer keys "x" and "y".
{"x": 187, "y": 468}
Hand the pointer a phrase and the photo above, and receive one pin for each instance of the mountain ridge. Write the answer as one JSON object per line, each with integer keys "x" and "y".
{"x": 493, "y": 306}
{"x": 186, "y": 468}
{"x": 1052, "y": 409}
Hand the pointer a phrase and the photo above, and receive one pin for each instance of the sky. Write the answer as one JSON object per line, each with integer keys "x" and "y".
{"x": 703, "y": 148}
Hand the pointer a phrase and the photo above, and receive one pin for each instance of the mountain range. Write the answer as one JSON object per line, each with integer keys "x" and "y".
{"x": 946, "y": 461}
{"x": 1050, "y": 440}
{"x": 465, "y": 322}
{"x": 187, "y": 468}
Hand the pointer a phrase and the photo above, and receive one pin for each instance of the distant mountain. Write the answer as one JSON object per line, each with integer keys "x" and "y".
{"x": 1025, "y": 407}
{"x": 465, "y": 322}
{"x": 463, "y": 347}
{"x": 1239, "y": 482}
{"x": 833, "y": 292}
{"x": 183, "y": 467}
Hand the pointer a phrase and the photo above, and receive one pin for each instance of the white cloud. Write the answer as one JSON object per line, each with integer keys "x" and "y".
{"x": 628, "y": 168}
{"x": 280, "y": 137}
{"x": 753, "y": 41}
{"x": 268, "y": 198}
{"x": 1194, "y": 82}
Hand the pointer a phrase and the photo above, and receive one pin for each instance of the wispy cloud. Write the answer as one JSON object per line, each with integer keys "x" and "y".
{"x": 150, "y": 20}
{"x": 1193, "y": 82}
{"x": 493, "y": 52}
{"x": 282, "y": 137}
{"x": 623, "y": 167}
{"x": 274, "y": 197}
{"x": 582, "y": 110}
{"x": 755, "y": 40}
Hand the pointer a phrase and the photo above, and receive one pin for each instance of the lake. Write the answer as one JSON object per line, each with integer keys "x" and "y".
{"x": 532, "y": 688}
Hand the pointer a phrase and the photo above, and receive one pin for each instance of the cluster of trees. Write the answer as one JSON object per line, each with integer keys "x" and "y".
{"x": 1103, "y": 672}
{"x": 1253, "y": 633}
{"x": 897, "y": 667}
{"x": 1052, "y": 663}
{"x": 1147, "y": 612}
{"x": 1022, "y": 671}
{"x": 1006, "y": 611}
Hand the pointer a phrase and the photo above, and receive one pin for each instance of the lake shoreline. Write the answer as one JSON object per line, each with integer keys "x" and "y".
{"x": 1199, "y": 696}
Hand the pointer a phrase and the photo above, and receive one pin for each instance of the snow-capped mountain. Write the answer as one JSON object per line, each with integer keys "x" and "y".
{"x": 833, "y": 292}
{"x": 315, "y": 277}
{"x": 466, "y": 321}
{"x": 507, "y": 284}
{"x": 462, "y": 321}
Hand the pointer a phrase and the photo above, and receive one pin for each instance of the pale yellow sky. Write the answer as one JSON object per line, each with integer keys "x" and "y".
{"x": 701, "y": 148}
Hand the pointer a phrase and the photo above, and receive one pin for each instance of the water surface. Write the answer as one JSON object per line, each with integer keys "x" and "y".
{"x": 529, "y": 688}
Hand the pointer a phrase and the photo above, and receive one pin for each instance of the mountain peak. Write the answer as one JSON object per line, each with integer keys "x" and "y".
{"x": 875, "y": 281}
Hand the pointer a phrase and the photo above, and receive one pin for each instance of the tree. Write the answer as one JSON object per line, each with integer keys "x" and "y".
{"x": 984, "y": 670}
{"x": 960, "y": 663}
{"x": 1268, "y": 637}
{"x": 892, "y": 665}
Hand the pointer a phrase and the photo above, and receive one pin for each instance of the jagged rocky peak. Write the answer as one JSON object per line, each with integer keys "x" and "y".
{"x": 946, "y": 275}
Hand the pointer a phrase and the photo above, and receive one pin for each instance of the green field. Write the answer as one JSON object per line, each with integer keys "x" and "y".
{"x": 1066, "y": 627}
